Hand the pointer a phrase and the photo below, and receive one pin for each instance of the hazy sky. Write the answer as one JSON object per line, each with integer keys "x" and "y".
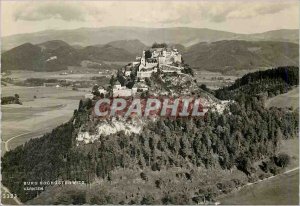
{"x": 235, "y": 16}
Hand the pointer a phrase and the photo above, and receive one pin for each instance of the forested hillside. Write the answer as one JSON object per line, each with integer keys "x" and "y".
{"x": 242, "y": 135}
{"x": 270, "y": 83}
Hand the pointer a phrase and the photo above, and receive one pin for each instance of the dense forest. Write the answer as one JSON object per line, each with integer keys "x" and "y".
{"x": 243, "y": 134}
{"x": 270, "y": 82}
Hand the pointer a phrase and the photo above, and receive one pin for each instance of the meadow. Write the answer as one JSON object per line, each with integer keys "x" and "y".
{"x": 214, "y": 80}
{"x": 289, "y": 99}
{"x": 43, "y": 109}
{"x": 72, "y": 74}
{"x": 281, "y": 190}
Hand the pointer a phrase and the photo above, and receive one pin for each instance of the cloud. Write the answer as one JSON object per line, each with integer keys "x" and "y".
{"x": 221, "y": 12}
{"x": 55, "y": 10}
{"x": 218, "y": 12}
{"x": 162, "y": 13}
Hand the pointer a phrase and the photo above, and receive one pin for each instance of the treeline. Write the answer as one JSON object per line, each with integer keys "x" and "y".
{"x": 159, "y": 45}
{"x": 39, "y": 159}
{"x": 11, "y": 100}
{"x": 272, "y": 82}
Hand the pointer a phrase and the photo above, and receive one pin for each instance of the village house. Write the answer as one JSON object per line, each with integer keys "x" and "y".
{"x": 146, "y": 72}
{"x": 46, "y": 84}
{"x": 141, "y": 87}
{"x": 123, "y": 91}
{"x": 91, "y": 96}
{"x": 127, "y": 73}
{"x": 102, "y": 91}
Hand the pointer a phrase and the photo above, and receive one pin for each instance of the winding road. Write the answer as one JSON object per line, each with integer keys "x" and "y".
{"x": 7, "y": 147}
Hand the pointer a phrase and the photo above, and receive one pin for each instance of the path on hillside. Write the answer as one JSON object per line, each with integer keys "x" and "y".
{"x": 259, "y": 181}
{"x": 7, "y": 141}
{"x": 16, "y": 199}
{"x": 286, "y": 172}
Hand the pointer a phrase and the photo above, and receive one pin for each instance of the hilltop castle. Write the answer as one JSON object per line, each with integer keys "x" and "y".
{"x": 162, "y": 58}
{"x": 166, "y": 59}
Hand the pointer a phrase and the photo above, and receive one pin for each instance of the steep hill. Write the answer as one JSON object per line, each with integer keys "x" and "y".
{"x": 159, "y": 160}
{"x": 268, "y": 83}
{"x": 133, "y": 46}
{"x": 177, "y": 35}
{"x": 57, "y": 55}
{"x": 52, "y": 45}
{"x": 235, "y": 54}
{"x": 50, "y": 56}
{"x": 26, "y": 56}
{"x": 106, "y": 53}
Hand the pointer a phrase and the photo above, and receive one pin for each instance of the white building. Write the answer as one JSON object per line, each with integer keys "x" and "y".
{"x": 170, "y": 68}
{"x": 123, "y": 91}
{"x": 118, "y": 86}
{"x": 102, "y": 91}
{"x": 146, "y": 73}
{"x": 51, "y": 58}
{"x": 127, "y": 73}
{"x": 141, "y": 86}
{"x": 89, "y": 96}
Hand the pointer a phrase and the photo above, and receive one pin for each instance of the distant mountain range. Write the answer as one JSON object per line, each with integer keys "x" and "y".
{"x": 225, "y": 55}
{"x": 229, "y": 55}
{"x": 177, "y": 35}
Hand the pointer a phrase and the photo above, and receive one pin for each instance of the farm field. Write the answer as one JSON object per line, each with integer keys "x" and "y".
{"x": 76, "y": 76}
{"x": 291, "y": 147}
{"x": 280, "y": 190}
{"x": 290, "y": 99}
{"x": 51, "y": 107}
{"x": 214, "y": 80}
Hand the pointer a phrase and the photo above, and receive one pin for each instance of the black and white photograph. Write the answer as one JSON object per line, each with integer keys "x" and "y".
{"x": 163, "y": 102}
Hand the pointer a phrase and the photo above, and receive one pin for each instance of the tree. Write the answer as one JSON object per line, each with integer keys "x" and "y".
{"x": 147, "y": 200}
{"x": 78, "y": 199}
{"x": 244, "y": 164}
{"x": 282, "y": 160}
{"x": 148, "y": 82}
{"x": 161, "y": 45}
{"x": 95, "y": 90}
{"x": 17, "y": 96}
{"x": 158, "y": 183}
{"x": 148, "y": 54}
{"x": 144, "y": 176}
